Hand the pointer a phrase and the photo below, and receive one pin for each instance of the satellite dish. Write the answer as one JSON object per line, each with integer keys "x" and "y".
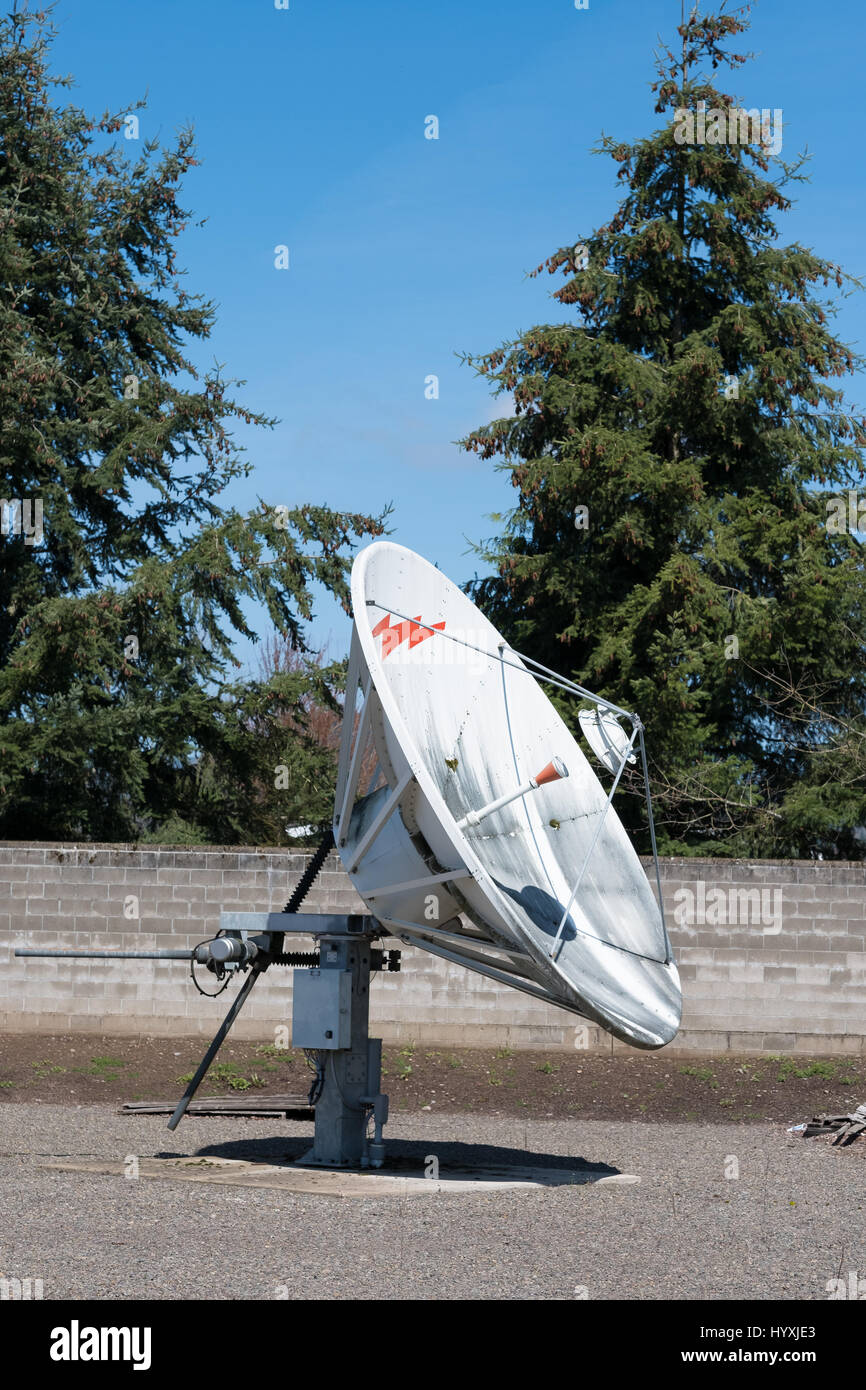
{"x": 606, "y": 737}
{"x": 483, "y": 835}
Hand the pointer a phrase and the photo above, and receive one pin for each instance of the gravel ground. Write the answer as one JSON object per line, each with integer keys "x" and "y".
{"x": 792, "y": 1220}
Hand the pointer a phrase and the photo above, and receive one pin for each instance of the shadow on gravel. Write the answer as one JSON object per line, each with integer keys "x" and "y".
{"x": 406, "y": 1155}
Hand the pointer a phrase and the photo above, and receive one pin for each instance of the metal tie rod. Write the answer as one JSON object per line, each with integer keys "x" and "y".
{"x": 598, "y": 831}
{"x": 214, "y": 1048}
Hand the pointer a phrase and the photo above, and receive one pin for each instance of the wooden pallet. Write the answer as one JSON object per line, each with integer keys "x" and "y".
{"x": 846, "y": 1127}
{"x": 289, "y": 1107}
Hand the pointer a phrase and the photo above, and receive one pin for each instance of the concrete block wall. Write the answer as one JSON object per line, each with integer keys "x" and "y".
{"x": 772, "y": 954}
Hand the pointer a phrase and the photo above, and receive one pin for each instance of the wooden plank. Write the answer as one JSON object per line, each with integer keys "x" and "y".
{"x": 296, "y": 1107}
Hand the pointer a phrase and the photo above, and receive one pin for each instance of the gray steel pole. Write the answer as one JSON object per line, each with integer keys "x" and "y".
{"x": 340, "y": 1117}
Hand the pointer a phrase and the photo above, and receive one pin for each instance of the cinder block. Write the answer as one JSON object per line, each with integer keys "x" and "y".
{"x": 838, "y": 977}
{"x": 709, "y": 974}
{"x": 697, "y": 955}
{"x": 841, "y": 909}
{"x": 846, "y": 1044}
{"x": 47, "y": 1022}
{"x": 88, "y": 990}
{"x": 812, "y": 941}
{"x": 222, "y": 892}
{"x": 252, "y": 860}
{"x": 45, "y": 907}
{"x": 202, "y": 878}
{"x": 134, "y": 880}
{"x": 236, "y": 878}
{"x": 173, "y": 876}
{"x": 17, "y": 889}
{"x": 746, "y": 972}
{"x": 77, "y": 906}
{"x": 849, "y": 874}
{"x": 146, "y": 859}
{"x": 841, "y": 941}
{"x": 103, "y": 856}
{"x": 94, "y": 924}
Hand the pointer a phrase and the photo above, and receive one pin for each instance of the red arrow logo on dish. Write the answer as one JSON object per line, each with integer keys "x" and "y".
{"x": 407, "y": 629}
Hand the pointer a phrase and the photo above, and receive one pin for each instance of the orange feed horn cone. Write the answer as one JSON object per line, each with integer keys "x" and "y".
{"x": 552, "y": 773}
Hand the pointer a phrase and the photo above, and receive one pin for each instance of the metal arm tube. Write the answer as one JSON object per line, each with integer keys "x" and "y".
{"x": 551, "y": 773}
{"x": 107, "y": 955}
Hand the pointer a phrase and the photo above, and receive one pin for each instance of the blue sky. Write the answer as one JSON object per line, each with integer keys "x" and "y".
{"x": 405, "y": 251}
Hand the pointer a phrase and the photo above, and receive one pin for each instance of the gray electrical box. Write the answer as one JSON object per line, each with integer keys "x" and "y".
{"x": 321, "y": 1009}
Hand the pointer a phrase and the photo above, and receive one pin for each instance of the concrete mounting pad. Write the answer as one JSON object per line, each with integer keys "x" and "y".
{"x": 329, "y": 1182}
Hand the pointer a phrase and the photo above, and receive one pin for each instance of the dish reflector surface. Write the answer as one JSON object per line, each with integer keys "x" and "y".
{"x": 458, "y": 721}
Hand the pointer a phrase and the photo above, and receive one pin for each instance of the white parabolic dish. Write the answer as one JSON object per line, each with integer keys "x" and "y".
{"x": 457, "y": 721}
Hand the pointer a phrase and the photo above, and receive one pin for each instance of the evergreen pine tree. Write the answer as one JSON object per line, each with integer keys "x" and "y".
{"x": 691, "y": 412}
{"x": 123, "y": 578}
